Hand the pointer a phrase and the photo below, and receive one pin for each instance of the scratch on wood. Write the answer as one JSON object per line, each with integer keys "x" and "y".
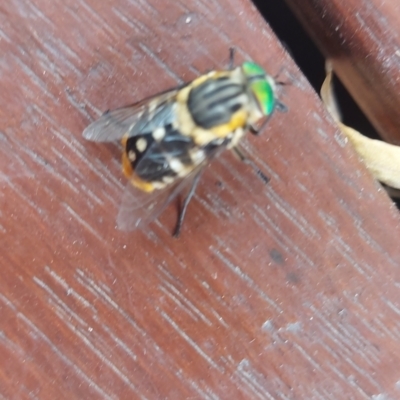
{"x": 39, "y": 334}
{"x": 26, "y": 200}
{"x": 93, "y": 196}
{"x": 13, "y": 347}
{"x": 206, "y": 394}
{"x": 366, "y": 29}
{"x": 90, "y": 285}
{"x": 69, "y": 290}
{"x": 151, "y": 345}
{"x": 9, "y": 179}
{"x": 373, "y": 243}
{"x": 35, "y": 157}
{"x": 348, "y": 339}
{"x": 120, "y": 343}
{"x": 164, "y": 67}
{"x": 204, "y": 7}
{"x": 69, "y": 313}
{"x": 350, "y": 381}
{"x": 8, "y": 303}
{"x": 324, "y": 394}
{"x": 217, "y": 206}
{"x": 392, "y": 306}
{"x": 4, "y": 36}
{"x": 146, "y": 7}
{"x": 59, "y": 51}
{"x": 79, "y": 106}
{"x": 49, "y": 66}
{"x": 65, "y": 314}
{"x": 163, "y": 269}
{"x": 39, "y": 13}
{"x": 139, "y": 27}
{"x": 253, "y": 380}
{"x": 393, "y": 333}
{"x": 366, "y": 270}
{"x": 35, "y": 79}
{"x": 183, "y": 302}
{"x": 283, "y": 239}
{"x": 220, "y": 319}
{"x": 61, "y": 309}
{"x": 48, "y": 167}
{"x": 105, "y": 360}
{"x": 223, "y": 38}
{"x": 240, "y": 273}
{"x": 190, "y": 341}
{"x": 81, "y": 221}
{"x": 362, "y": 372}
{"x": 71, "y": 167}
{"x": 98, "y": 20}
{"x": 307, "y": 356}
{"x": 292, "y": 215}
{"x": 42, "y": 114}
{"x": 93, "y": 165}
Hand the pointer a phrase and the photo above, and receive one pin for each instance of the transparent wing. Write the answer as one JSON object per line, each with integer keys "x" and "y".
{"x": 113, "y": 125}
{"x": 139, "y": 208}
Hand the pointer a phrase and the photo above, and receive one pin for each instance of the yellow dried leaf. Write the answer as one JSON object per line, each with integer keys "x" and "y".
{"x": 382, "y": 159}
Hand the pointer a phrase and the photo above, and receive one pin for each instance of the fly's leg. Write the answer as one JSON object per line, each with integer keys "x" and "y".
{"x": 231, "y": 58}
{"x": 186, "y": 202}
{"x": 256, "y": 130}
{"x": 252, "y": 164}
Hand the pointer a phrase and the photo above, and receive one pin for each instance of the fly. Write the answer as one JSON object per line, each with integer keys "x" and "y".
{"x": 169, "y": 138}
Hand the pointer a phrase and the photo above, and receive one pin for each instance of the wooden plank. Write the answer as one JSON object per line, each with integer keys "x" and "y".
{"x": 285, "y": 291}
{"x": 363, "y": 40}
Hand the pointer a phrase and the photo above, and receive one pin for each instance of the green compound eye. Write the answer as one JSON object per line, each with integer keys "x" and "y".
{"x": 265, "y": 96}
{"x": 251, "y": 70}
{"x": 261, "y": 85}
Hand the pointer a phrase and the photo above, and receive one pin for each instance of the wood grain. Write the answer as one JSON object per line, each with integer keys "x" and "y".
{"x": 362, "y": 37}
{"x": 285, "y": 291}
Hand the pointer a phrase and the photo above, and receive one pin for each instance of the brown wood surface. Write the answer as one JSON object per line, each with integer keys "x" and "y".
{"x": 285, "y": 291}
{"x": 362, "y": 37}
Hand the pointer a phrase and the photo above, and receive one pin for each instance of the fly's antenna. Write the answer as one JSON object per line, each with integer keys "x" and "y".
{"x": 279, "y": 106}
{"x": 278, "y": 81}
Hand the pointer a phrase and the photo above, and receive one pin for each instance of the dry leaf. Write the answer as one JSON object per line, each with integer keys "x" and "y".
{"x": 382, "y": 159}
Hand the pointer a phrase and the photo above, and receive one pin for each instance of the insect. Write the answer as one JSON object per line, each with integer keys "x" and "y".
{"x": 169, "y": 138}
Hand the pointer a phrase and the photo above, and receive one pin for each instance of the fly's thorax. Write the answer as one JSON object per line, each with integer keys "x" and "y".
{"x": 214, "y": 106}
{"x": 215, "y": 101}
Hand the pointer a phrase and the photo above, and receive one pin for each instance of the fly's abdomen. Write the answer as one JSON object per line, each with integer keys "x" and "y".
{"x": 213, "y": 102}
{"x": 153, "y": 159}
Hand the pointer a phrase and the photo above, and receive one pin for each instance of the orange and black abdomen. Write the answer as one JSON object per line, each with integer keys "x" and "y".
{"x": 152, "y": 159}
